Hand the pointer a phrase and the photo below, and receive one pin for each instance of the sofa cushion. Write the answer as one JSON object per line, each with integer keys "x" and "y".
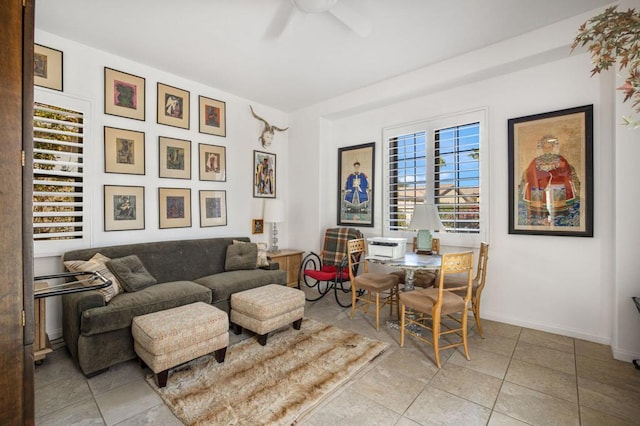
{"x": 131, "y": 273}
{"x": 222, "y": 285}
{"x": 96, "y": 264}
{"x": 120, "y": 311}
{"x": 262, "y": 260}
{"x": 241, "y": 257}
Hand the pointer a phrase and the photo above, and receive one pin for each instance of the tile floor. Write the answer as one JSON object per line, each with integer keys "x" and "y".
{"x": 516, "y": 376}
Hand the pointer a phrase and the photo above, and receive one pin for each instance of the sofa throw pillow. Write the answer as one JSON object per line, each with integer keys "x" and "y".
{"x": 131, "y": 273}
{"x": 262, "y": 253}
{"x": 96, "y": 264}
{"x": 241, "y": 256}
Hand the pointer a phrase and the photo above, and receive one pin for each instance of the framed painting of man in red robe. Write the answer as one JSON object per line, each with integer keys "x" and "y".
{"x": 551, "y": 173}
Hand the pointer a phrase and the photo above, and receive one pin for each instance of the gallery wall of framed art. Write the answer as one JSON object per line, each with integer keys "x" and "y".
{"x": 151, "y": 130}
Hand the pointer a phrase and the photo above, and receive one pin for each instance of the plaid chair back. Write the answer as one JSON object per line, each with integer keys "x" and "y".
{"x": 335, "y": 244}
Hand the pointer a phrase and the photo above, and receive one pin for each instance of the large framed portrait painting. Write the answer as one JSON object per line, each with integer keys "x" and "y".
{"x": 551, "y": 173}
{"x": 355, "y": 185}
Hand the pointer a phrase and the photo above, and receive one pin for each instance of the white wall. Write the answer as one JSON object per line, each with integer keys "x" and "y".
{"x": 563, "y": 285}
{"x": 83, "y": 78}
{"x": 626, "y": 246}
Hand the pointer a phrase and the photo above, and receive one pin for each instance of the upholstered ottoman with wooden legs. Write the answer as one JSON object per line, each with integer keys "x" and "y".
{"x": 265, "y": 309}
{"x": 168, "y": 338}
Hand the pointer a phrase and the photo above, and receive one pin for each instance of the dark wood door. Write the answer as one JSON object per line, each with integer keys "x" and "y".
{"x": 16, "y": 261}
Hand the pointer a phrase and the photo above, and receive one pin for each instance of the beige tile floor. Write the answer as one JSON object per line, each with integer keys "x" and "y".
{"x": 516, "y": 376}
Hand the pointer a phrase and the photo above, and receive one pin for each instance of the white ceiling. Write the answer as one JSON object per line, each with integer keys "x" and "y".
{"x": 228, "y": 44}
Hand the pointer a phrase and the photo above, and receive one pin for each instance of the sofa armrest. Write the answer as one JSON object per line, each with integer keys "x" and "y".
{"x": 73, "y": 305}
{"x": 273, "y": 266}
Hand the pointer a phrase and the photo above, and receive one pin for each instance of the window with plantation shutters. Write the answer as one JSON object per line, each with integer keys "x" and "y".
{"x": 407, "y": 177}
{"x": 457, "y": 177}
{"x": 438, "y": 162}
{"x": 58, "y": 174}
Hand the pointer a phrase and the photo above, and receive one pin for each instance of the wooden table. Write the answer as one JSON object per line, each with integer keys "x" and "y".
{"x": 41, "y": 343}
{"x": 289, "y": 260}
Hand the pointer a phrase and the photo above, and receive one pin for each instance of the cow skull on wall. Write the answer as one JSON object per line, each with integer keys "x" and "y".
{"x": 267, "y": 133}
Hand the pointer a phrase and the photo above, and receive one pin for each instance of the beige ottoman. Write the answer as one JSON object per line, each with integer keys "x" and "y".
{"x": 168, "y": 338}
{"x": 267, "y": 308}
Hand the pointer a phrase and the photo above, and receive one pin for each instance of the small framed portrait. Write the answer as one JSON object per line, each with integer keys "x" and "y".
{"x": 213, "y": 162}
{"x": 213, "y": 117}
{"x": 356, "y": 167}
{"x": 123, "y": 151}
{"x": 124, "y": 94}
{"x": 47, "y": 67}
{"x": 123, "y": 208}
{"x": 551, "y": 173}
{"x": 213, "y": 208}
{"x": 173, "y": 106}
{"x": 174, "y": 207}
{"x": 257, "y": 226}
{"x": 264, "y": 175}
{"x": 175, "y": 158}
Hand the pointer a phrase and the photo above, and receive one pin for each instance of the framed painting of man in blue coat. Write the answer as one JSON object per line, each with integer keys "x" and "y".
{"x": 355, "y": 184}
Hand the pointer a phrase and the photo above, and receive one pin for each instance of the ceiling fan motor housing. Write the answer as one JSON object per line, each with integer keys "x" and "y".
{"x": 314, "y": 6}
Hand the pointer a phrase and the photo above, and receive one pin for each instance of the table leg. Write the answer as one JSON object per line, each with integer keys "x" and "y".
{"x": 409, "y": 279}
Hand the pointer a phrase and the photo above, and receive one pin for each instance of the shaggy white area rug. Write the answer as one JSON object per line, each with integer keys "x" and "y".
{"x": 272, "y": 384}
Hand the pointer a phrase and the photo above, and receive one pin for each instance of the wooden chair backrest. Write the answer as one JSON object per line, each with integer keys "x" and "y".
{"x": 456, "y": 263}
{"x": 356, "y": 252}
{"x": 481, "y": 272}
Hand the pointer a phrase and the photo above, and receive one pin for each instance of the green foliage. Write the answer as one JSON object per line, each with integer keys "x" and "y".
{"x": 611, "y": 37}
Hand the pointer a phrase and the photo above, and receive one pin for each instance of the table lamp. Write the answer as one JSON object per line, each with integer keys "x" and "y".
{"x": 274, "y": 213}
{"x": 424, "y": 220}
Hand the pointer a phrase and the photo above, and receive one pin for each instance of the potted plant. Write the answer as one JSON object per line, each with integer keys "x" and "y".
{"x": 611, "y": 37}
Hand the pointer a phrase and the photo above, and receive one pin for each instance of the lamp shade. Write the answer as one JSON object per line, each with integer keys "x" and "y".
{"x": 274, "y": 210}
{"x": 425, "y": 216}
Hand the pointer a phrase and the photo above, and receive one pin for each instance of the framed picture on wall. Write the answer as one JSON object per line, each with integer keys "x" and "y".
{"x": 264, "y": 172}
{"x": 175, "y": 158}
{"x": 173, "y": 106}
{"x": 355, "y": 184}
{"x": 124, "y": 94}
{"x": 551, "y": 173}
{"x": 123, "y": 207}
{"x": 257, "y": 226}
{"x": 47, "y": 67}
{"x": 213, "y": 208}
{"x": 123, "y": 151}
{"x": 212, "y": 161}
{"x": 174, "y": 207}
{"x": 212, "y": 116}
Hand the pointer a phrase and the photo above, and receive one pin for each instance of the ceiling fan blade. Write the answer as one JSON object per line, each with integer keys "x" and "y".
{"x": 280, "y": 20}
{"x": 345, "y": 14}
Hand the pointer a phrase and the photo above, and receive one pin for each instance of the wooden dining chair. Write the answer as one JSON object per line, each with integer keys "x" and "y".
{"x": 478, "y": 284}
{"x": 369, "y": 288}
{"x": 424, "y": 309}
{"x": 422, "y": 278}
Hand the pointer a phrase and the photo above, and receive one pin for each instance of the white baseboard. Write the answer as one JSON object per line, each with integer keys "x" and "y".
{"x": 547, "y": 328}
{"x": 54, "y": 334}
{"x": 623, "y": 355}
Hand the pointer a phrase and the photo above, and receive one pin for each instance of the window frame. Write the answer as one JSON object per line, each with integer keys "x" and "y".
{"x": 429, "y": 126}
{"x": 48, "y": 248}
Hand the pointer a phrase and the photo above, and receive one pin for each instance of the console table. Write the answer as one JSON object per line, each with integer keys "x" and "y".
{"x": 289, "y": 260}
{"x": 43, "y": 289}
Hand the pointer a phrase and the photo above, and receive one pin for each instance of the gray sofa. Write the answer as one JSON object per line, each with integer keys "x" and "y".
{"x": 98, "y": 335}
